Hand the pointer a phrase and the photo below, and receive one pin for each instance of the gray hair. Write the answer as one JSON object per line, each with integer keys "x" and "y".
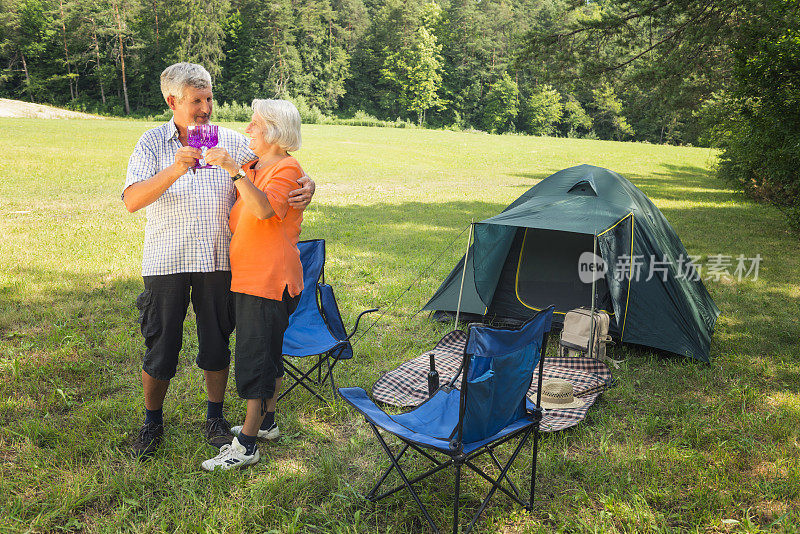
{"x": 281, "y": 122}
{"x": 176, "y": 77}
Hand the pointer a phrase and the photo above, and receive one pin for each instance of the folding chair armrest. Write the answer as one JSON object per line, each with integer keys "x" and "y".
{"x": 360, "y": 315}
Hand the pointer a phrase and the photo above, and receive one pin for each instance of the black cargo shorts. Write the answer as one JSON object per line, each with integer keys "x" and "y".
{"x": 162, "y": 310}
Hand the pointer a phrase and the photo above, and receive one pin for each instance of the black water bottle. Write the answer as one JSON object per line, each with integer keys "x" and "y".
{"x": 433, "y": 378}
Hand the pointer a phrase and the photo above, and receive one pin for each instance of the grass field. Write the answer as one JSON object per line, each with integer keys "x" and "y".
{"x": 675, "y": 446}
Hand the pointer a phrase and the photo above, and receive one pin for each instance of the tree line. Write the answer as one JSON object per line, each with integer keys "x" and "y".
{"x": 720, "y": 73}
{"x": 441, "y": 63}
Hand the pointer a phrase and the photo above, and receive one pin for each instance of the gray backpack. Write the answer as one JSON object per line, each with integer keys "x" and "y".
{"x": 577, "y": 334}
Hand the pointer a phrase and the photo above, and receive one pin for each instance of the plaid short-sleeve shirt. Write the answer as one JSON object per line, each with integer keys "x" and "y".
{"x": 187, "y": 227}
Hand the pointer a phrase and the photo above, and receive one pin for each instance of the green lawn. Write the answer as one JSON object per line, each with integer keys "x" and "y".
{"x": 674, "y": 446}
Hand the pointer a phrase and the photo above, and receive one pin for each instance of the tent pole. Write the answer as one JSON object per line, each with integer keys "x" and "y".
{"x": 594, "y": 282}
{"x": 464, "y": 272}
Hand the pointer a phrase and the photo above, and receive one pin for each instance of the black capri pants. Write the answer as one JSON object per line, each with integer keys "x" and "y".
{"x": 162, "y": 310}
{"x": 260, "y": 325}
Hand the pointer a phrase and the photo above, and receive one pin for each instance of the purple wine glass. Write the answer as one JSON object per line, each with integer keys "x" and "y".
{"x": 203, "y": 135}
{"x": 195, "y": 139}
{"x": 210, "y": 138}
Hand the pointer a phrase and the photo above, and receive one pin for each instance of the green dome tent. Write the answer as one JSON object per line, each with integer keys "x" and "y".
{"x": 531, "y": 255}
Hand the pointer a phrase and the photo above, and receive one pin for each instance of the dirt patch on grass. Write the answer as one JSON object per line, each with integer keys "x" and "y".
{"x": 28, "y": 110}
{"x": 769, "y": 511}
{"x": 768, "y": 470}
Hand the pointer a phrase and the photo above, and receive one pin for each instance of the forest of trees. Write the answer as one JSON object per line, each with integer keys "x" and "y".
{"x": 466, "y": 63}
{"x": 722, "y": 73}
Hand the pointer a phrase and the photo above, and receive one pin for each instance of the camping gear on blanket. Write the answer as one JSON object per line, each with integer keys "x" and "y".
{"x": 577, "y": 336}
{"x": 455, "y": 427}
{"x": 406, "y": 386}
{"x": 557, "y": 394}
{"x": 316, "y": 327}
{"x": 529, "y": 256}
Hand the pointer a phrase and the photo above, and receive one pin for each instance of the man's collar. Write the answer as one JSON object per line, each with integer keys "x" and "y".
{"x": 172, "y": 130}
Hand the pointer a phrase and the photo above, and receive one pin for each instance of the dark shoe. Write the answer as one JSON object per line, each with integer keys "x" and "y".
{"x": 218, "y": 432}
{"x": 147, "y": 441}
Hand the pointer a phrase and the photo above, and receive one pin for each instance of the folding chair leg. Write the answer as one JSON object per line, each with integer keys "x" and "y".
{"x": 330, "y": 373}
{"x": 322, "y": 380}
{"x": 456, "y": 497}
{"x": 403, "y": 476}
{"x": 490, "y": 480}
{"x": 496, "y": 484}
{"x": 291, "y": 387}
{"x": 291, "y": 370}
{"x": 426, "y": 474}
{"x": 299, "y": 382}
{"x": 327, "y": 358}
{"x": 371, "y": 494}
{"x": 428, "y": 456}
{"x": 500, "y": 467}
{"x": 477, "y": 470}
{"x": 533, "y": 465}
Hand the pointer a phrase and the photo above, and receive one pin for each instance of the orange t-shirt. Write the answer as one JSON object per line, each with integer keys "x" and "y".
{"x": 264, "y": 255}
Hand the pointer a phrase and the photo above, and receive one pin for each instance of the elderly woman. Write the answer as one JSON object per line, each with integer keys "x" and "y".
{"x": 266, "y": 274}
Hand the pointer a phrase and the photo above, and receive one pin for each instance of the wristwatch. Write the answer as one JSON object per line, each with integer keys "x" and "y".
{"x": 240, "y": 174}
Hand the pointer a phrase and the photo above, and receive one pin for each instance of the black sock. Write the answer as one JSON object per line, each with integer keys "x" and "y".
{"x": 269, "y": 420}
{"x": 155, "y": 417}
{"x": 248, "y": 442}
{"x": 214, "y": 410}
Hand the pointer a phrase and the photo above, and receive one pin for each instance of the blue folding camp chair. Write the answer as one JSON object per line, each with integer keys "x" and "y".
{"x": 491, "y": 409}
{"x": 316, "y": 327}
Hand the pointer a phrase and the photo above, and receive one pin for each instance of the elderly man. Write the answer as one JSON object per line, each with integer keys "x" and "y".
{"x": 186, "y": 250}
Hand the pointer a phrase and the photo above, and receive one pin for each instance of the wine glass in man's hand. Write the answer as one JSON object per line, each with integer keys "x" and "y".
{"x": 195, "y": 139}
{"x": 203, "y": 135}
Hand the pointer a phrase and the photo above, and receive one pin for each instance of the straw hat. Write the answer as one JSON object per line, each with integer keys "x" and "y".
{"x": 557, "y": 395}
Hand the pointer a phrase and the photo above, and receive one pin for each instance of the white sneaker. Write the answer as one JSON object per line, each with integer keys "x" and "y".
{"x": 231, "y": 456}
{"x": 270, "y": 434}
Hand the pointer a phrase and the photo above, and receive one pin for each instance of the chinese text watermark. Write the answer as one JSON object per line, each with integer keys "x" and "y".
{"x": 638, "y": 267}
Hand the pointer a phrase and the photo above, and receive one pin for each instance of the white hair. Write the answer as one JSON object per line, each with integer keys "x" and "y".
{"x": 180, "y": 75}
{"x": 281, "y": 122}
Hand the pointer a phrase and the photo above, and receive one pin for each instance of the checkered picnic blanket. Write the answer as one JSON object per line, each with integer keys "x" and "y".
{"x": 407, "y": 386}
